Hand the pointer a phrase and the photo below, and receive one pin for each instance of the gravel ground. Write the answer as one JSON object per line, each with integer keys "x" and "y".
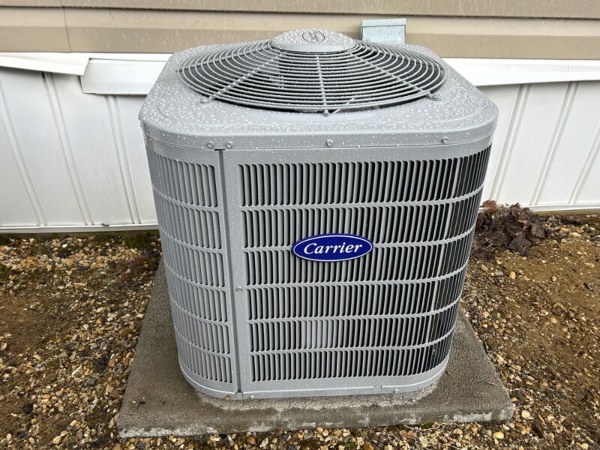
{"x": 72, "y": 308}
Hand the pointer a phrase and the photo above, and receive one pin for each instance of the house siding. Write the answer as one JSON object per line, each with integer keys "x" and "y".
{"x": 452, "y": 28}
{"x": 74, "y": 161}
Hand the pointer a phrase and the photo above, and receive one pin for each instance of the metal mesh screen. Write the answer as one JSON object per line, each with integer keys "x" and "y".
{"x": 264, "y": 76}
{"x": 389, "y": 313}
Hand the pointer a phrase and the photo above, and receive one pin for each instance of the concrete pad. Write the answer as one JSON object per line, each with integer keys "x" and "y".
{"x": 158, "y": 401}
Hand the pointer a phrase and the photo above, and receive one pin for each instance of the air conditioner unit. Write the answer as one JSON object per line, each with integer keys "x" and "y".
{"x": 316, "y": 197}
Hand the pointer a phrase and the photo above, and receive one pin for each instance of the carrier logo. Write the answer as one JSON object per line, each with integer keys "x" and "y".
{"x": 332, "y": 247}
{"x": 314, "y": 36}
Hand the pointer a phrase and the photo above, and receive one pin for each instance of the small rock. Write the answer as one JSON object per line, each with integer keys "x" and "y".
{"x": 250, "y": 440}
{"x": 512, "y": 275}
{"x": 27, "y": 408}
{"x": 140, "y": 445}
{"x": 368, "y": 446}
{"x": 56, "y": 440}
{"x": 117, "y": 446}
{"x": 111, "y": 391}
{"x": 498, "y": 435}
{"x": 91, "y": 381}
{"x": 526, "y": 414}
{"x": 554, "y": 278}
{"x": 457, "y": 432}
{"x": 553, "y": 320}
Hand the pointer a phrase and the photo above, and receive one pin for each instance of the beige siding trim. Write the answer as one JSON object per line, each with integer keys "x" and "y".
{"x": 583, "y": 9}
{"x": 34, "y": 30}
{"x": 165, "y": 32}
{"x": 507, "y": 38}
{"x": 133, "y": 31}
{"x": 32, "y": 3}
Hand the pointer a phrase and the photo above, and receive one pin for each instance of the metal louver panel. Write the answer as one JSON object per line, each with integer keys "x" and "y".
{"x": 388, "y": 314}
{"x": 191, "y": 218}
{"x": 283, "y": 74}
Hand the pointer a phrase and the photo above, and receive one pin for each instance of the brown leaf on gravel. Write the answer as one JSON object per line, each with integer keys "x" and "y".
{"x": 502, "y": 227}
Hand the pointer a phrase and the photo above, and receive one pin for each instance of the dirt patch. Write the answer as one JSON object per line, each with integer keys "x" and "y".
{"x": 72, "y": 309}
{"x": 73, "y": 306}
{"x": 537, "y": 317}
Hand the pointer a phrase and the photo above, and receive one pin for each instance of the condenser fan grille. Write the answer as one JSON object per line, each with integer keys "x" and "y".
{"x": 266, "y": 76}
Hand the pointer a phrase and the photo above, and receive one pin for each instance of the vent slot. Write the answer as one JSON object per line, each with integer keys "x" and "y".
{"x": 193, "y": 226}
{"x": 361, "y": 182}
{"x": 472, "y": 172}
{"x": 351, "y": 333}
{"x": 381, "y": 225}
{"x": 191, "y": 263}
{"x": 382, "y": 264}
{"x": 193, "y": 184}
{"x": 203, "y": 364}
{"x": 347, "y": 182}
{"x": 205, "y": 303}
{"x": 353, "y": 300}
{"x": 207, "y": 336}
{"x": 325, "y": 364}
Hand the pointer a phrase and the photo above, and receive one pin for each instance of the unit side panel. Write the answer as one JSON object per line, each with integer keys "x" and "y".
{"x": 380, "y": 323}
{"x": 190, "y": 206}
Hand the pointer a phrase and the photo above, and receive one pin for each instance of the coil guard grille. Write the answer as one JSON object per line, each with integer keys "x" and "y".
{"x": 390, "y": 313}
{"x": 190, "y": 217}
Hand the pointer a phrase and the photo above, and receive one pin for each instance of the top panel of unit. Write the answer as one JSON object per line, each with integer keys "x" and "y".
{"x": 307, "y": 84}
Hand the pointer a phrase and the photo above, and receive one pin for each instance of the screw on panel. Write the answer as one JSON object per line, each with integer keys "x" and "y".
{"x": 239, "y": 289}
{"x": 210, "y": 144}
{"x": 445, "y": 140}
{"x": 229, "y": 144}
{"x": 329, "y": 142}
